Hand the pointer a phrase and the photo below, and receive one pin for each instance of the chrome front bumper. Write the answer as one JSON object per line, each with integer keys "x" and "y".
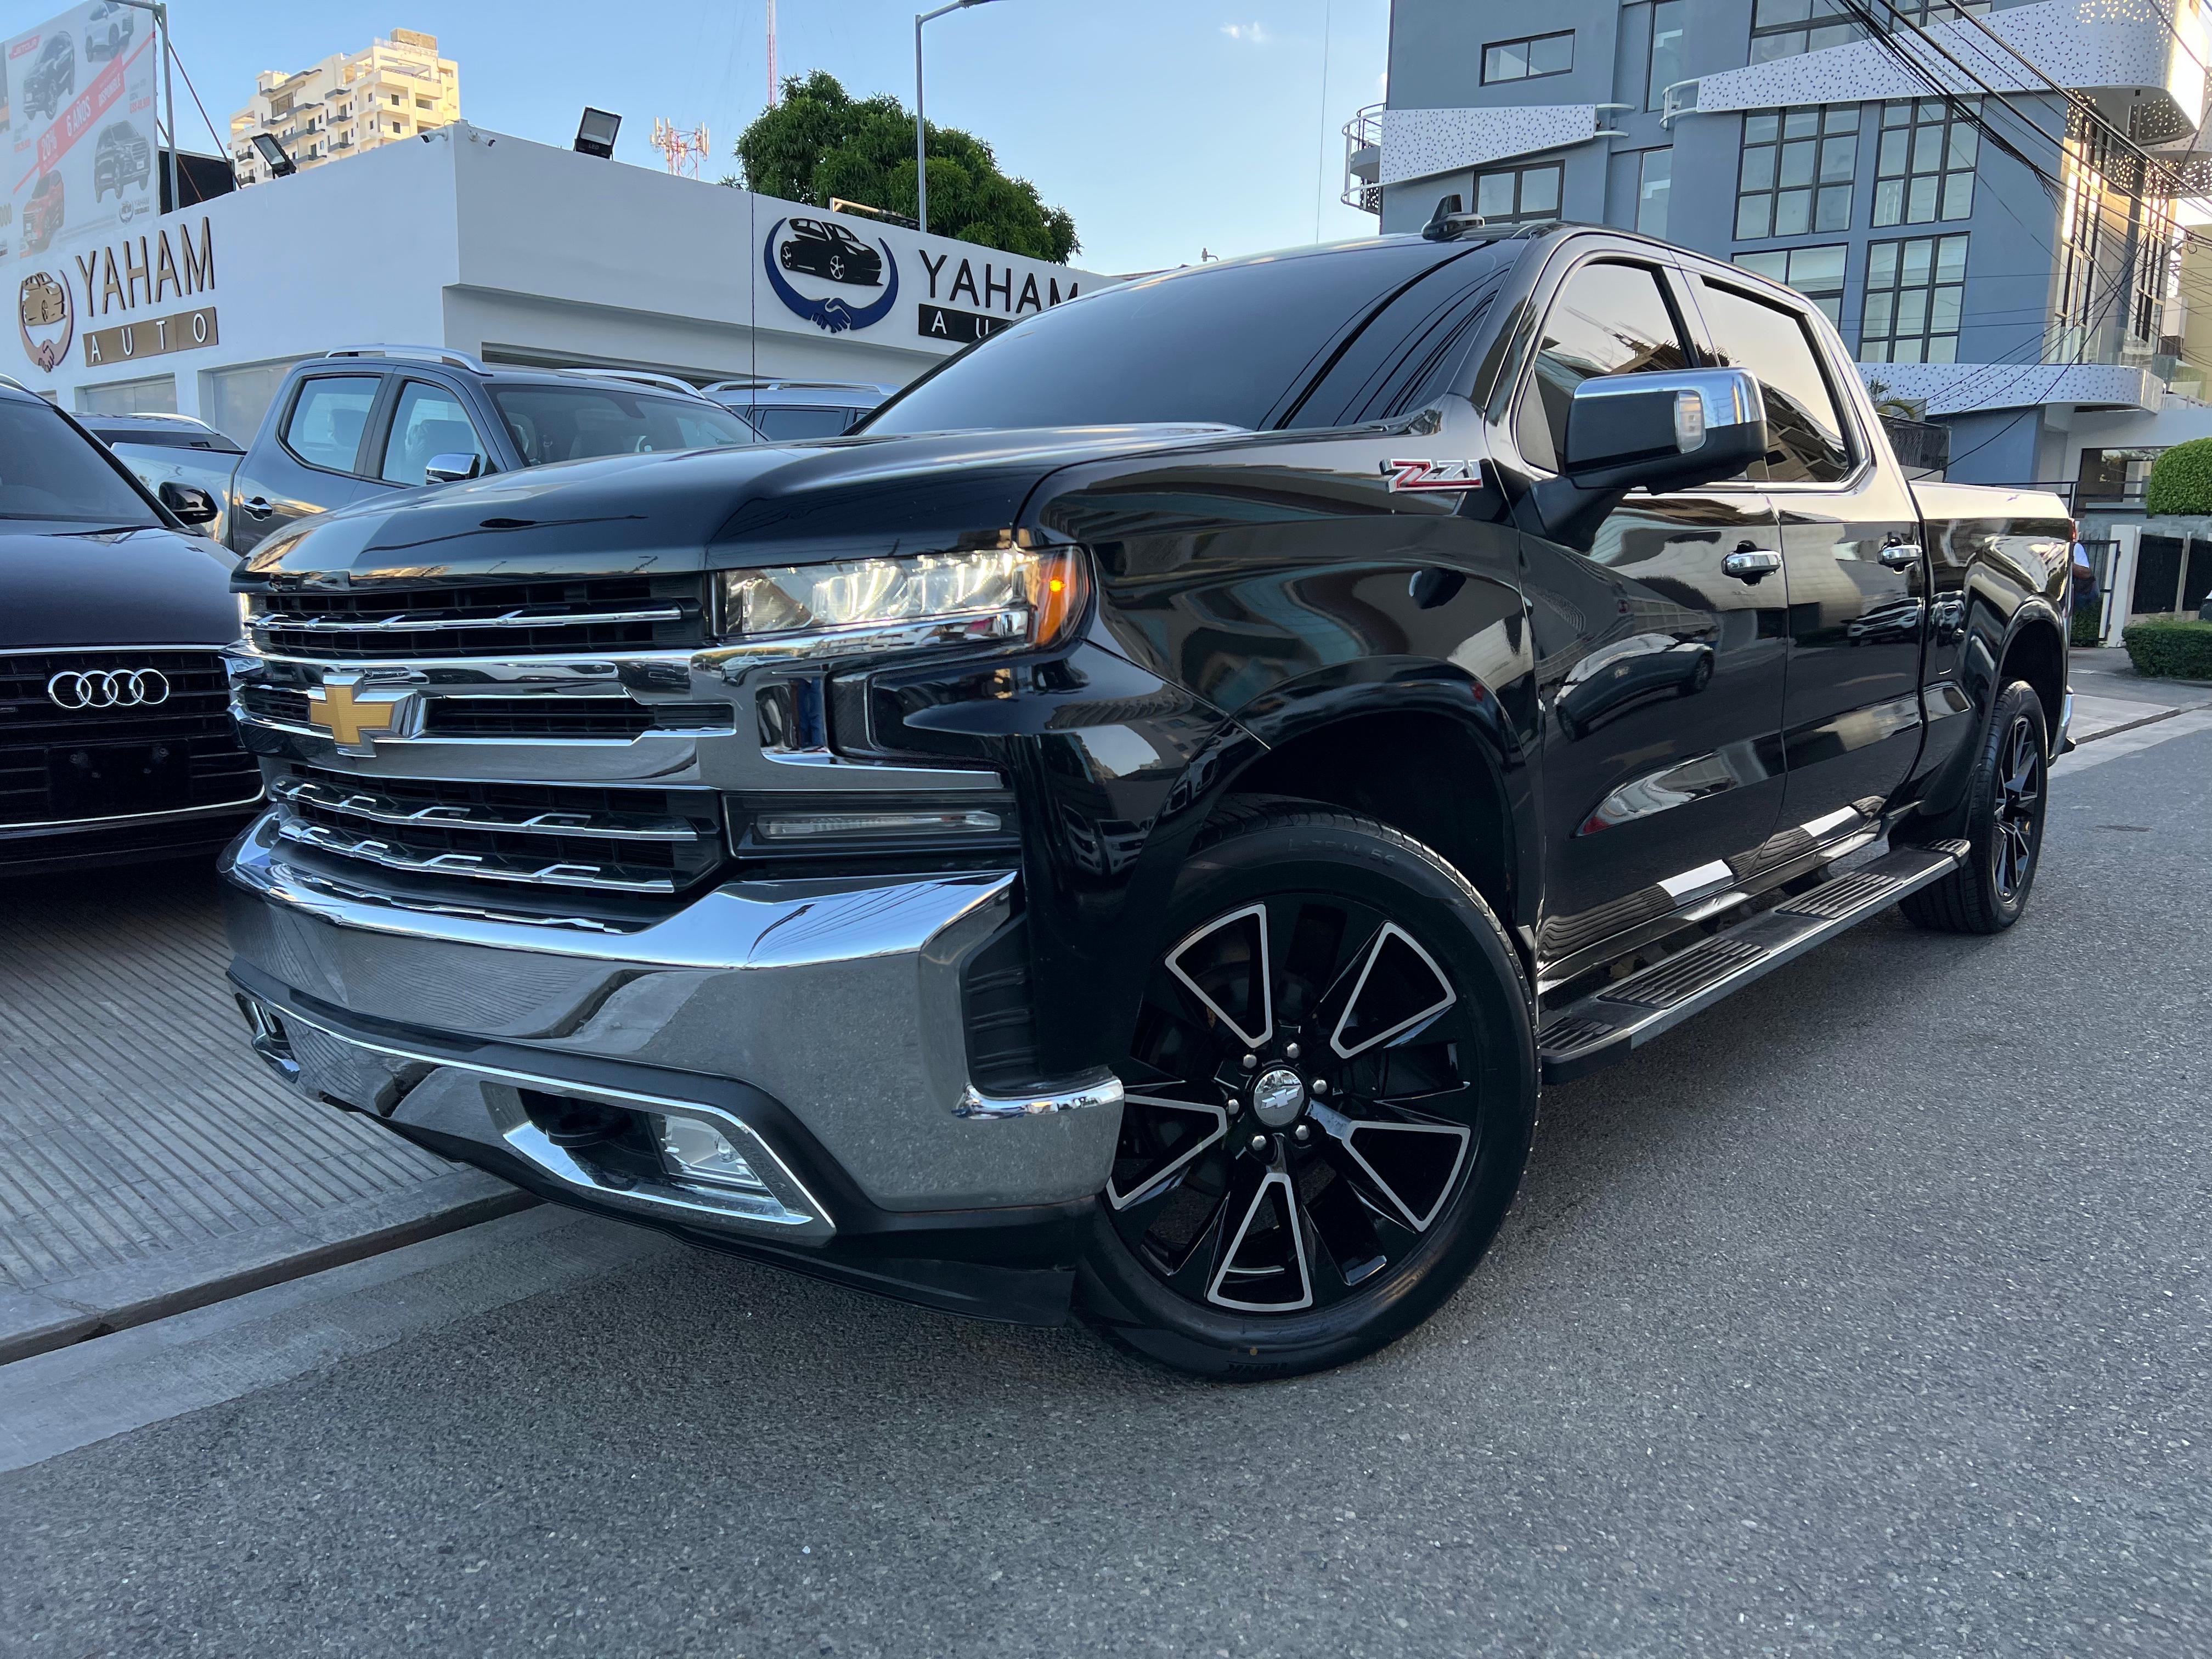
{"x": 839, "y": 1000}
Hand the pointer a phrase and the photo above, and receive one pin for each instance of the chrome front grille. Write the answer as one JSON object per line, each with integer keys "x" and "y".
{"x": 59, "y": 765}
{"x": 395, "y": 620}
{"x": 620, "y": 840}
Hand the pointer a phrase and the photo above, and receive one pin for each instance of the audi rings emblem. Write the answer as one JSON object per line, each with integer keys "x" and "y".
{"x": 119, "y": 688}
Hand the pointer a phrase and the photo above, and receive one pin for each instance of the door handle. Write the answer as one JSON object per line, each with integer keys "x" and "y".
{"x": 1749, "y": 563}
{"x": 1900, "y": 556}
{"x": 258, "y": 507}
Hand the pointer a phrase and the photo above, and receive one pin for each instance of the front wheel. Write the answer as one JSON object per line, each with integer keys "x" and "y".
{"x": 1330, "y": 1093}
{"x": 2006, "y": 803}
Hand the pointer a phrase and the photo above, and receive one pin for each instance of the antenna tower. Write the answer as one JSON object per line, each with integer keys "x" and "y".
{"x": 771, "y": 54}
{"x": 684, "y": 150}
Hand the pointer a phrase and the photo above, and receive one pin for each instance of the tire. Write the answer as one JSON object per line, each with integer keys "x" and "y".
{"x": 2007, "y": 800}
{"x": 1390, "y": 990}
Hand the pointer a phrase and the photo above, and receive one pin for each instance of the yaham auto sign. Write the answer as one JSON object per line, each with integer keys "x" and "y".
{"x": 79, "y": 140}
{"x": 846, "y": 281}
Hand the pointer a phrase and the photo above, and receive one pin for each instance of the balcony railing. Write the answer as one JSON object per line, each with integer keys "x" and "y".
{"x": 1362, "y": 161}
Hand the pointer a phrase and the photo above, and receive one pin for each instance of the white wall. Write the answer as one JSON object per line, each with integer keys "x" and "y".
{"x": 472, "y": 240}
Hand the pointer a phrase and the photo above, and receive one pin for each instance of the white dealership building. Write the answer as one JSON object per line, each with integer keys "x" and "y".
{"x": 508, "y": 250}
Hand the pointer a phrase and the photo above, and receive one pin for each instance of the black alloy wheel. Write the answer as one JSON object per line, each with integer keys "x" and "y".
{"x": 1328, "y": 1097}
{"x": 2019, "y": 809}
{"x": 2006, "y": 800}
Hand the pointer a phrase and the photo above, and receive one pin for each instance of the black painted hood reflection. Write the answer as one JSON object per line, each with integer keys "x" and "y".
{"x": 705, "y": 509}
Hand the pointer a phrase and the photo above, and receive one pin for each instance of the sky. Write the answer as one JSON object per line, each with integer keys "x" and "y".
{"x": 1168, "y": 128}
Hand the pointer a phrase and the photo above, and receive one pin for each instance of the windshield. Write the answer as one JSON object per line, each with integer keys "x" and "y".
{"x": 573, "y": 423}
{"x": 49, "y": 470}
{"x": 1224, "y": 345}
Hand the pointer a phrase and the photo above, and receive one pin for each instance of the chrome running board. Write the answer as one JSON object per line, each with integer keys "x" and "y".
{"x": 1606, "y": 1024}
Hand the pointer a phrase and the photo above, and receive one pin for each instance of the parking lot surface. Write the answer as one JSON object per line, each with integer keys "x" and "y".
{"x": 1870, "y": 1313}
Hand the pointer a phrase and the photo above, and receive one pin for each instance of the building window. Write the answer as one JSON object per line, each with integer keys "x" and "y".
{"x": 1912, "y": 297}
{"x": 1924, "y": 12}
{"x": 1668, "y": 18}
{"x": 1924, "y": 170}
{"x": 1502, "y": 60}
{"x": 1783, "y": 28}
{"x": 1654, "y": 180}
{"x": 1515, "y": 193}
{"x": 1796, "y": 171}
{"x": 1815, "y": 272}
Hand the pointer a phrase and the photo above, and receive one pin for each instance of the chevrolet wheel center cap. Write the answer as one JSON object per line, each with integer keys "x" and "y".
{"x": 1279, "y": 1095}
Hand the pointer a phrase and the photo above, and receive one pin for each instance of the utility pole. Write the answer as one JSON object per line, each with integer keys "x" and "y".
{"x": 771, "y": 54}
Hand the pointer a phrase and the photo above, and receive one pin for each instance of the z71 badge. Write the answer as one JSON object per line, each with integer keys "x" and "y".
{"x": 1434, "y": 475}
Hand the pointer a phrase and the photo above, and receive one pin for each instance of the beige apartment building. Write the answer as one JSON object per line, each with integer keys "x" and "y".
{"x": 350, "y": 102}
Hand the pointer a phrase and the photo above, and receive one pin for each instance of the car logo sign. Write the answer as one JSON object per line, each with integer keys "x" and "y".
{"x": 122, "y": 687}
{"x": 804, "y": 254}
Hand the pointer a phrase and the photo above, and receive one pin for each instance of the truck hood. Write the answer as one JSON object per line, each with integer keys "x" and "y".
{"x": 704, "y": 509}
{"x": 75, "y": 585}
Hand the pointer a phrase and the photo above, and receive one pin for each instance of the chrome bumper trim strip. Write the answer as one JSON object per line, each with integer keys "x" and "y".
{"x": 1104, "y": 1090}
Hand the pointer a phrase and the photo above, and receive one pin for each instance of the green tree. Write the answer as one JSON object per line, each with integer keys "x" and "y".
{"x": 2180, "y": 479}
{"x": 822, "y": 142}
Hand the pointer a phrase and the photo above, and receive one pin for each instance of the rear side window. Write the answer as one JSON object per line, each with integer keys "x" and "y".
{"x": 1804, "y": 430}
{"x": 1607, "y": 320}
{"x": 789, "y": 423}
{"x": 325, "y": 426}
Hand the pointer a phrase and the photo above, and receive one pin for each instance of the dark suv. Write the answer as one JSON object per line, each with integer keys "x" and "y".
{"x": 51, "y": 78}
{"x": 121, "y": 157}
{"x": 1131, "y": 828}
{"x": 366, "y": 421}
{"x": 116, "y": 741}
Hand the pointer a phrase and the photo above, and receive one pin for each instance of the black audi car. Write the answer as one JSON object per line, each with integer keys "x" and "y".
{"x": 116, "y": 741}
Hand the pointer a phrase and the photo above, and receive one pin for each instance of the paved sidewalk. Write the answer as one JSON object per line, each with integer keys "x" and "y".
{"x": 148, "y": 1163}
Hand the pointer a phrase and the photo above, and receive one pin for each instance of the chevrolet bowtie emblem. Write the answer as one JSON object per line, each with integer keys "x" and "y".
{"x": 348, "y": 714}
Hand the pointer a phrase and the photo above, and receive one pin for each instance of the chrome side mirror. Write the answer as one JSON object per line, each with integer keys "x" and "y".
{"x": 1668, "y": 430}
{"x": 451, "y": 469}
{"x": 1665, "y": 430}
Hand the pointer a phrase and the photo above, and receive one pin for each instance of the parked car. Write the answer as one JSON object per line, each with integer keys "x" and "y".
{"x": 1105, "y": 838}
{"x": 163, "y": 449}
{"x": 121, "y": 157}
{"x": 52, "y": 79}
{"x": 116, "y": 739}
{"x": 365, "y": 423}
{"x": 108, "y": 29}
{"x": 823, "y": 247}
{"x": 43, "y": 213}
{"x": 788, "y": 411}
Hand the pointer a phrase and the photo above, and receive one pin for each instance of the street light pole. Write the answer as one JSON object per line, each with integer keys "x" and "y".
{"x": 920, "y": 140}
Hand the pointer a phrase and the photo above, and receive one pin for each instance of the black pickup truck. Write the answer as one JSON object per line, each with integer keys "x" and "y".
{"x": 1132, "y": 828}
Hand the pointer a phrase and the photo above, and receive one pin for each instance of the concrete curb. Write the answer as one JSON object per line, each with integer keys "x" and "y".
{"x": 66, "y": 1311}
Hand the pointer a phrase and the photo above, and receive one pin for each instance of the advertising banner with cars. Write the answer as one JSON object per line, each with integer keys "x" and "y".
{"x": 78, "y": 140}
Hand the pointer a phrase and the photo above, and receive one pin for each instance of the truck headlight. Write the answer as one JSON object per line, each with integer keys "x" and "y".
{"x": 860, "y": 607}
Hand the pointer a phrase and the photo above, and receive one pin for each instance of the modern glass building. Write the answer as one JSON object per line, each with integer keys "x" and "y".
{"x": 1981, "y": 196}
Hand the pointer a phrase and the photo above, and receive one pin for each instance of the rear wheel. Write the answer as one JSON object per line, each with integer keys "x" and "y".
{"x": 2007, "y": 800}
{"x": 1329, "y": 1096}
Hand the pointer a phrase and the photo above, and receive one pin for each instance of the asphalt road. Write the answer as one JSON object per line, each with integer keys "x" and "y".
{"x": 1869, "y": 1314}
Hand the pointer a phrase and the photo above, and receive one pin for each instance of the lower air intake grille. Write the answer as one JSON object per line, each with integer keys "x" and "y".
{"x": 642, "y": 842}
